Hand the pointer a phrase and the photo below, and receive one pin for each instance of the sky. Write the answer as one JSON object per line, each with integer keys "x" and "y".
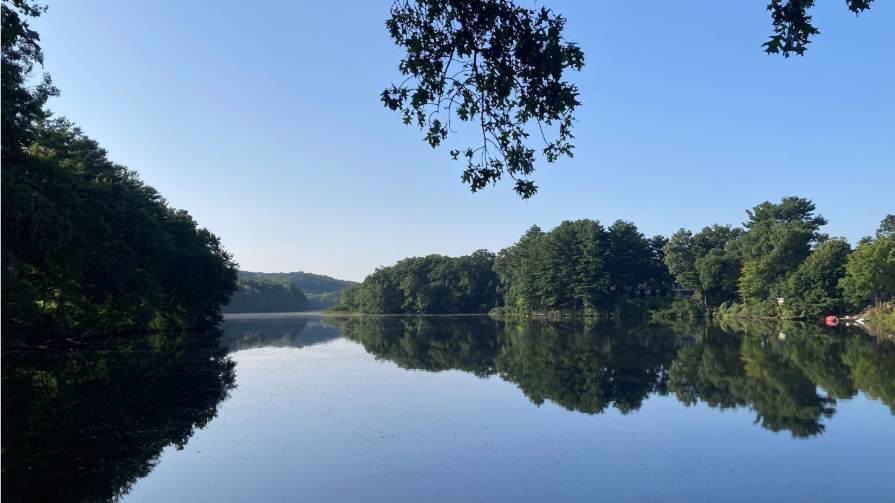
{"x": 264, "y": 122}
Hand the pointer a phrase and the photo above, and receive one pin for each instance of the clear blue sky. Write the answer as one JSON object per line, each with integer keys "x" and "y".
{"x": 264, "y": 122}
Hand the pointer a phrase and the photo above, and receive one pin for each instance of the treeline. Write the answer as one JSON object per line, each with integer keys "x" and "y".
{"x": 778, "y": 264}
{"x": 87, "y": 246}
{"x": 577, "y": 266}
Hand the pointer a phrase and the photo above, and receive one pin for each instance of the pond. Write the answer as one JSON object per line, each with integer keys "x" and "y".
{"x": 305, "y": 408}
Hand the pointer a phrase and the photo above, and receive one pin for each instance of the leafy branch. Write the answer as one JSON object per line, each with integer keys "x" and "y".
{"x": 792, "y": 25}
{"x": 495, "y": 65}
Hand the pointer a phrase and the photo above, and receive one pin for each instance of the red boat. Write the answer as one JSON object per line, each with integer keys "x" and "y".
{"x": 832, "y": 321}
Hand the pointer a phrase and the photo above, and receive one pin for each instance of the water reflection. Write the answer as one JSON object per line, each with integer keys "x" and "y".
{"x": 85, "y": 424}
{"x": 790, "y": 375}
{"x": 258, "y": 331}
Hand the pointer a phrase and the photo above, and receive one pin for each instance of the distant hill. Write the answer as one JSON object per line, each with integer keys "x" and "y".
{"x": 265, "y": 297}
{"x": 321, "y": 291}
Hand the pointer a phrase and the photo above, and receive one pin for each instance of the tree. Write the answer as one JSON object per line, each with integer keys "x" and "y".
{"x": 628, "y": 257}
{"x": 516, "y": 270}
{"x": 886, "y": 227}
{"x": 430, "y": 284}
{"x": 22, "y": 105}
{"x": 87, "y": 246}
{"x": 492, "y": 64}
{"x": 680, "y": 257}
{"x": 579, "y": 265}
{"x": 813, "y": 289}
{"x": 870, "y": 272}
{"x": 778, "y": 238}
{"x": 718, "y": 272}
{"x": 705, "y": 262}
{"x": 660, "y": 278}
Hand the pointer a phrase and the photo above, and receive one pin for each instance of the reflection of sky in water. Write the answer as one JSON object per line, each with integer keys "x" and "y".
{"x": 328, "y": 422}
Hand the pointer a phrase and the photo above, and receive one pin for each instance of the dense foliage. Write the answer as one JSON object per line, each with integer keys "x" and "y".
{"x": 777, "y": 238}
{"x": 778, "y": 264}
{"x": 86, "y": 245}
{"x": 577, "y": 266}
{"x": 705, "y": 263}
{"x": 433, "y": 284}
{"x": 580, "y": 265}
{"x": 870, "y": 272}
{"x": 813, "y": 289}
{"x": 781, "y": 265}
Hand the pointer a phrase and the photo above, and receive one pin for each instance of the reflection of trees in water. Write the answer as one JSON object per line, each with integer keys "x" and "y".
{"x": 428, "y": 343}
{"x": 873, "y": 370}
{"x": 776, "y": 369}
{"x": 295, "y": 332}
{"x": 711, "y": 371}
{"x": 588, "y": 367}
{"x": 782, "y": 396}
{"x": 579, "y": 366}
{"x": 84, "y": 425}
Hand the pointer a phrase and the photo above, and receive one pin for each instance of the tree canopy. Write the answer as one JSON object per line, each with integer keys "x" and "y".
{"x": 813, "y": 289}
{"x": 87, "y": 246}
{"x": 582, "y": 267}
{"x": 705, "y": 262}
{"x": 778, "y": 238}
{"x": 577, "y": 266}
{"x": 870, "y": 272}
{"x": 433, "y": 284}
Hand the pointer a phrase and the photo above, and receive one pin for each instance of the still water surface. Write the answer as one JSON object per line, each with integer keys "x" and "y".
{"x": 470, "y": 409}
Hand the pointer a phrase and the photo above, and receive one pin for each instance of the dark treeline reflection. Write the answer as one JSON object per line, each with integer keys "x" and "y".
{"x": 789, "y": 375}
{"x": 85, "y": 424}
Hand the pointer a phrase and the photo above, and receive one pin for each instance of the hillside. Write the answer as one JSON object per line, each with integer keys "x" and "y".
{"x": 263, "y": 297}
{"x": 321, "y": 291}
